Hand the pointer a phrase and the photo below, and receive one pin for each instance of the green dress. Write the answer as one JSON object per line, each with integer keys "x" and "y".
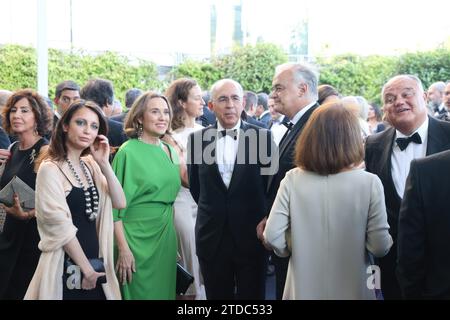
{"x": 151, "y": 181}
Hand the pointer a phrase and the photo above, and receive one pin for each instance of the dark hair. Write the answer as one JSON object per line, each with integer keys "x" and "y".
{"x": 179, "y": 91}
{"x": 330, "y": 141}
{"x": 66, "y": 85}
{"x": 57, "y": 150}
{"x": 131, "y": 123}
{"x": 377, "y": 110}
{"x": 100, "y": 91}
{"x": 42, "y": 113}
{"x": 131, "y": 96}
{"x": 325, "y": 91}
{"x": 263, "y": 99}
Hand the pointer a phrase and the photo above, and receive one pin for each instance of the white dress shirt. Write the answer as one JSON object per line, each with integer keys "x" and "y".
{"x": 226, "y": 151}
{"x": 299, "y": 114}
{"x": 401, "y": 160}
{"x": 278, "y": 129}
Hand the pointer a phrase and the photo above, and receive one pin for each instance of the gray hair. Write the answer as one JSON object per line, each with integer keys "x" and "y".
{"x": 439, "y": 86}
{"x": 410, "y": 76}
{"x": 303, "y": 72}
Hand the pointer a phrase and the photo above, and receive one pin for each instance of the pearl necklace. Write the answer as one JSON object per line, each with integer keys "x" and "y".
{"x": 91, "y": 207}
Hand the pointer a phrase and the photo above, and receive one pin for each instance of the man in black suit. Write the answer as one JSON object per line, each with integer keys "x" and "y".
{"x": 228, "y": 164}
{"x": 101, "y": 91}
{"x": 294, "y": 90}
{"x": 423, "y": 230}
{"x": 389, "y": 153}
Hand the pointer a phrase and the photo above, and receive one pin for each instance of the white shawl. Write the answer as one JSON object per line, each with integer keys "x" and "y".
{"x": 56, "y": 229}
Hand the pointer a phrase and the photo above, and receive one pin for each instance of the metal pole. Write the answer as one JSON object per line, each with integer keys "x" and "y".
{"x": 71, "y": 28}
{"x": 42, "y": 48}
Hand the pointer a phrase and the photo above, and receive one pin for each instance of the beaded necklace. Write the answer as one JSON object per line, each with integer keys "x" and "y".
{"x": 91, "y": 206}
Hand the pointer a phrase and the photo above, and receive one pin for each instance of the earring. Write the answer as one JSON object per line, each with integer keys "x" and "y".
{"x": 35, "y": 130}
{"x": 140, "y": 131}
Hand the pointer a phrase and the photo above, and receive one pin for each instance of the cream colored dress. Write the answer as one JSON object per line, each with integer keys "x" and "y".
{"x": 185, "y": 215}
{"x": 329, "y": 224}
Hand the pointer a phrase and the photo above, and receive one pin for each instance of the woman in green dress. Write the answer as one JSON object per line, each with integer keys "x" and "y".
{"x": 149, "y": 171}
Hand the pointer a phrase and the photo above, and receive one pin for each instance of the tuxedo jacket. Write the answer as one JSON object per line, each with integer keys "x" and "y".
{"x": 240, "y": 207}
{"x": 378, "y": 161}
{"x": 286, "y": 151}
{"x": 423, "y": 231}
{"x": 116, "y": 134}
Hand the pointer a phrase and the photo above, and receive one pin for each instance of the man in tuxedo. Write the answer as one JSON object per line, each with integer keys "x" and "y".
{"x": 294, "y": 90}
{"x": 389, "y": 153}
{"x": 228, "y": 164}
{"x": 423, "y": 230}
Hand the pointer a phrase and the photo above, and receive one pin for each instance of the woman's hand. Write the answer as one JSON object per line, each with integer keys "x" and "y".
{"x": 17, "y": 211}
{"x": 100, "y": 150}
{"x": 90, "y": 280}
{"x": 4, "y": 156}
{"x": 125, "y": 266}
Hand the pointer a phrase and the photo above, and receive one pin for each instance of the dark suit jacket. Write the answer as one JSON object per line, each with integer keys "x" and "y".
{"x": 248, "y": 119}
{"x": 116, "y": 135}
{"x": 424, "y": 230}
{"x": 208, "y": 117}
{"x": 120, "y": 117}
{"x": 266, "y": 119}
{"x": 240, "y": 207}
{"x": 4, "y": 139}
{"x": 286, "y": 155}
{"x": 378, "y": 161}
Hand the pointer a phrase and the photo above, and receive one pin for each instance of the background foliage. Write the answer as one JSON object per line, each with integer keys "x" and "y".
{"x": 18, "y": 69}
{"x": 252, "y": 66}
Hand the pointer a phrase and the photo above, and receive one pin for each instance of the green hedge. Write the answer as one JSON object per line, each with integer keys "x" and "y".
{"x": 252, "y": 66}
{"x": 18, "y": 70}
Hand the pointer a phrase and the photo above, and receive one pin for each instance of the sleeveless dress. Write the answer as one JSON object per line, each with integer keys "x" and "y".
{"x": 19, "y": 252}
{"x": 88, "y": 239}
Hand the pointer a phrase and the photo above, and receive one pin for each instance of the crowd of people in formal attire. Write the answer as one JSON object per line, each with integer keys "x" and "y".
{"x": 345, "y": 198}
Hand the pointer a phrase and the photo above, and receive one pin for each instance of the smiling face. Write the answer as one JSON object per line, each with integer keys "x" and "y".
{"x": 156, "y": 118}
{"x": 82, "y": 129}
{"x": 22, "y": 117}
{"x": 404, "y": 104}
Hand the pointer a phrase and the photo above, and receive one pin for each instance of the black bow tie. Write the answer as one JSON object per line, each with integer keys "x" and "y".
{"x": 288, "y": 125}
{"x": 231, "y": 133}
{"x": 403, "y": 142}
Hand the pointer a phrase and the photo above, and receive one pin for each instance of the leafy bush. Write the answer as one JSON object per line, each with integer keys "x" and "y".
{"x": 18, "y": 65}
{"x": 252, "y": 66}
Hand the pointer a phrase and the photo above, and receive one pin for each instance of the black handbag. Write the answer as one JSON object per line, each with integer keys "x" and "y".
{"x": 184, "y": 279}
{"x": 70, "y": 269}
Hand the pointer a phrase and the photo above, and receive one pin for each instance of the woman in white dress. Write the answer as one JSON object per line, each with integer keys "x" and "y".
{"x": 185, "y": 97}
{"x": 329, "y": 216}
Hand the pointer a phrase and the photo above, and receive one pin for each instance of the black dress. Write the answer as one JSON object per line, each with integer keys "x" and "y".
{"x": 19, "y": 252}
{"x": 88, "y": 239}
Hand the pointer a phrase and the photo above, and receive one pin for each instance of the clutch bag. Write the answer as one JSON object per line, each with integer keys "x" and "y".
{"x": 24, "y": 191}
{"x": 76, "y": 276}
{"x": 184, "y": 279}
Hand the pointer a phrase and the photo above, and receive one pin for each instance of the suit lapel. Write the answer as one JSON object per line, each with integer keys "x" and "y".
{"x": 437, "y": 140}
{"x": 295, "y": 131}
{"x": 385, "y": 147}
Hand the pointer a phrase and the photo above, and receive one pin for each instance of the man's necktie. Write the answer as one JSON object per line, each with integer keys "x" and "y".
{"x": 403, "y": 142}
{"x": 231, "y": 133}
